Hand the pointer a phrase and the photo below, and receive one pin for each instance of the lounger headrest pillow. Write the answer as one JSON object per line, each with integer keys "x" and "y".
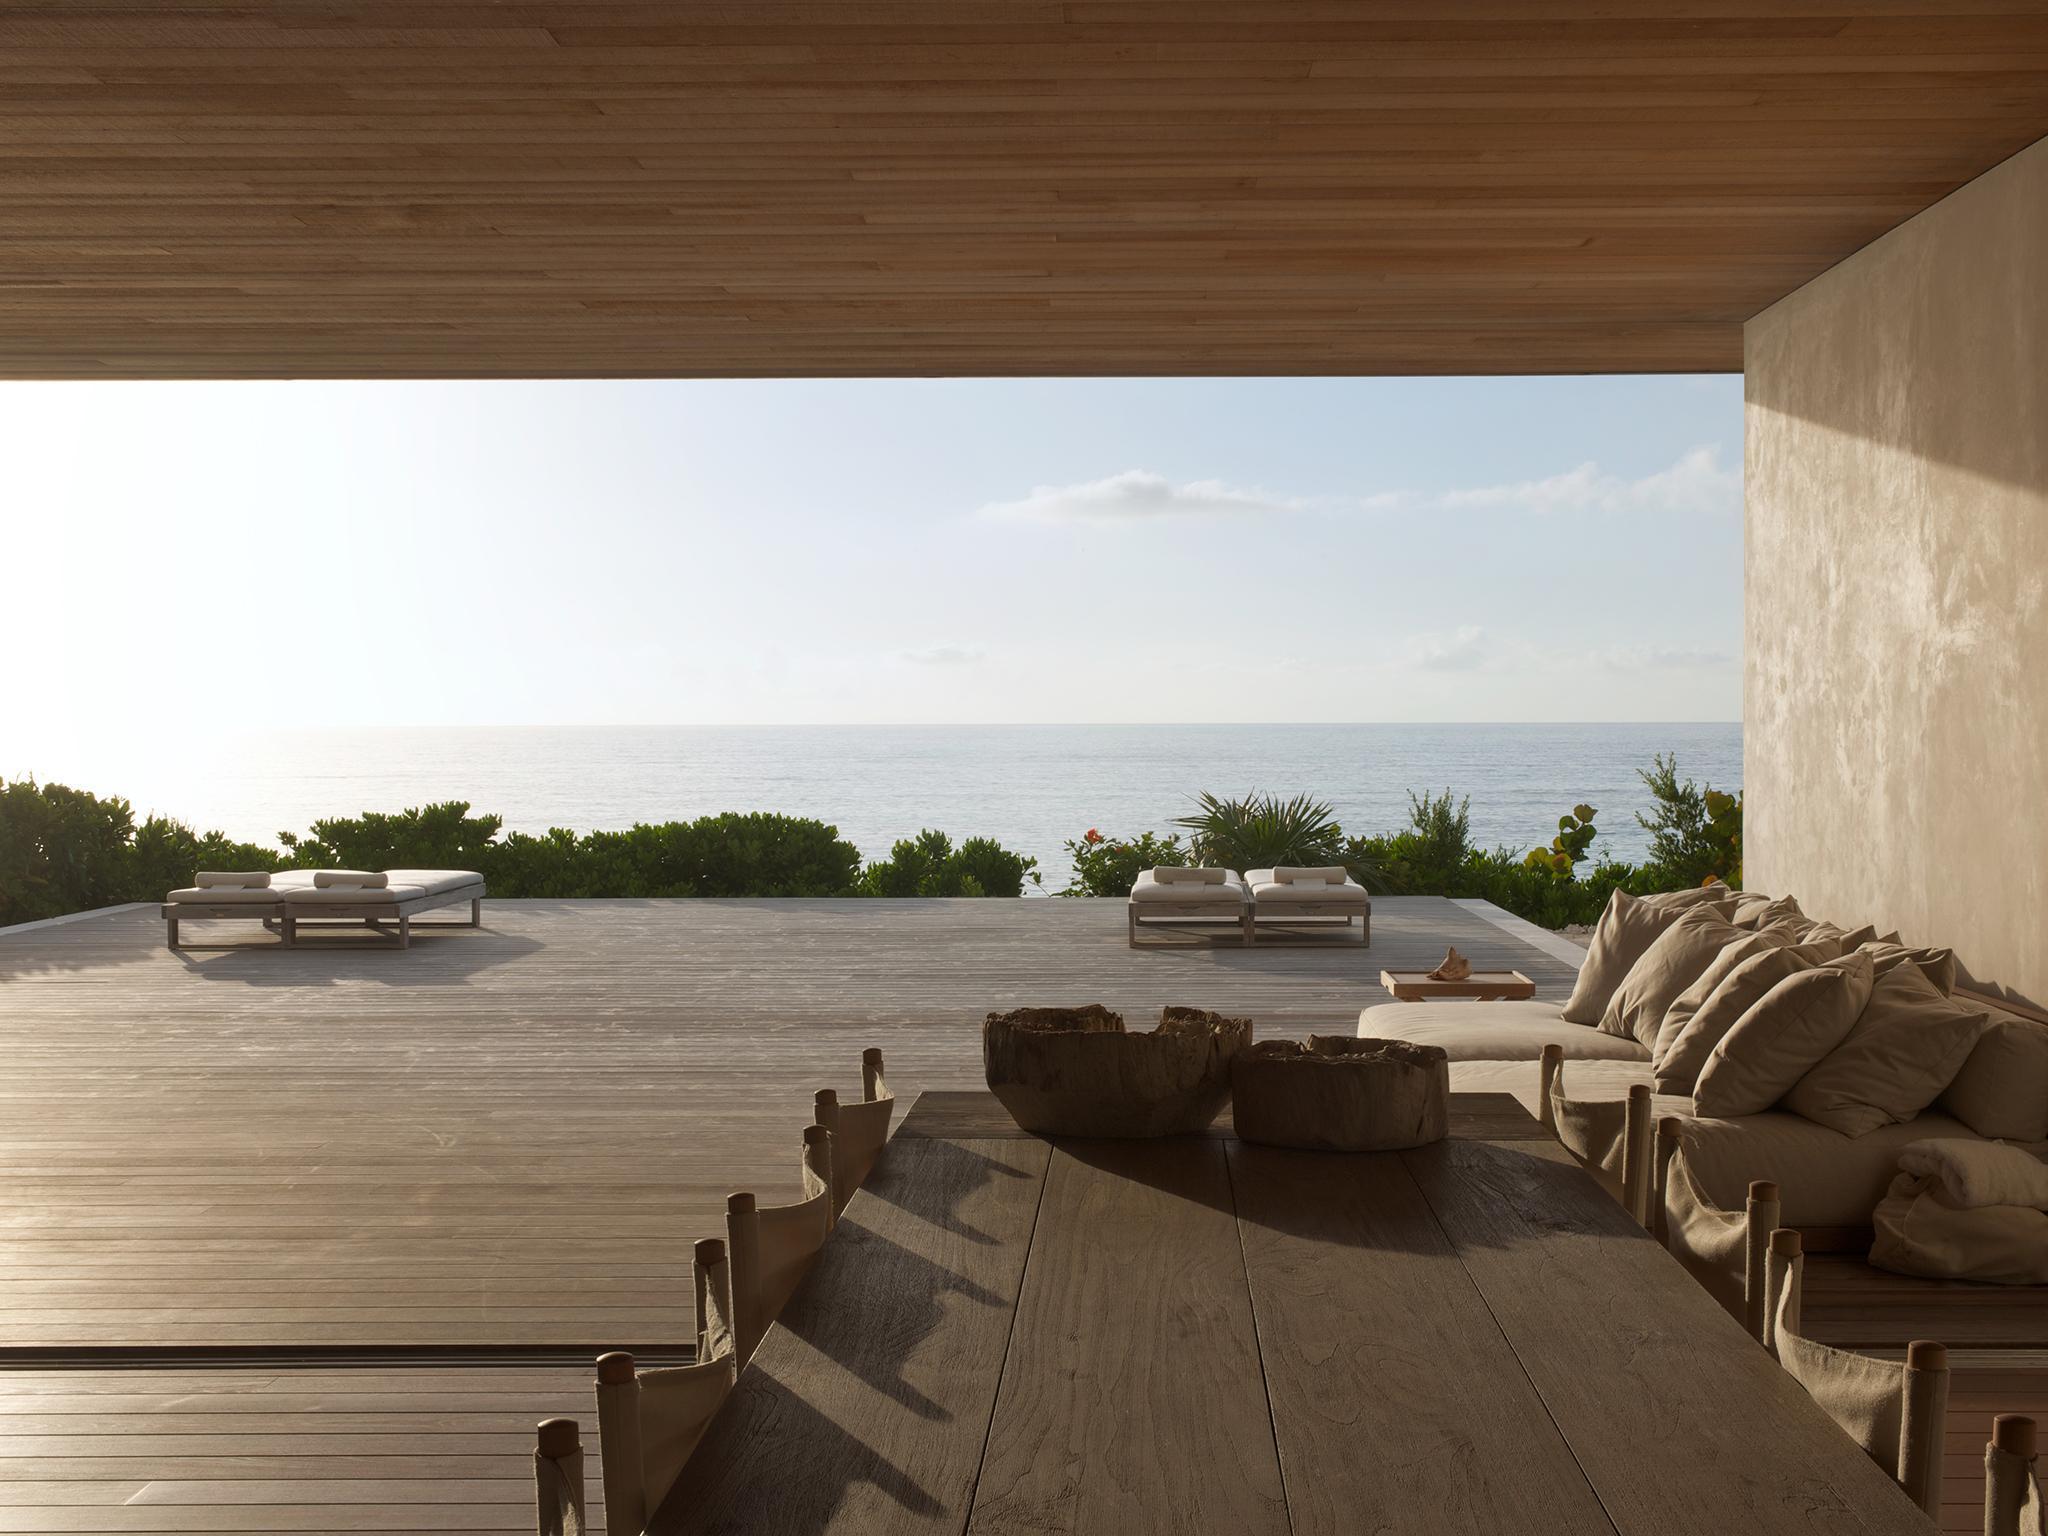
{"x": 360, "y": 879}
{"x": 1169, "y": 875}
{"x": 1332, "y": 874}
{"x": 218, "y": 879}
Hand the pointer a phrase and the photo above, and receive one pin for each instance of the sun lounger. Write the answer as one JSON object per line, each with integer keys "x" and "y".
{"x": 1205, "y": 903}
{"x": 1305, "y": 906}
{"x": 298, "y": 898}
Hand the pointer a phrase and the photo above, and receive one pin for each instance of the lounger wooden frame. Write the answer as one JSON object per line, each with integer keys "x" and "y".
{"x": 286, "y": 918}
{"x": 1260, "y": 926}
{"x": 1194, "y": 919}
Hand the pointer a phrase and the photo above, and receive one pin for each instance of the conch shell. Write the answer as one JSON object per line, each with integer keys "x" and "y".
{"x": 1455, "y": 967}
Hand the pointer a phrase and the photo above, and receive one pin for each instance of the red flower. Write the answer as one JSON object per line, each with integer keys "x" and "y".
{"x": 1092, "y": 837}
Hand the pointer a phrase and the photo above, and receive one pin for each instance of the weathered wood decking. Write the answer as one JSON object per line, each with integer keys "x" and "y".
{"x": 510, "y": 1136}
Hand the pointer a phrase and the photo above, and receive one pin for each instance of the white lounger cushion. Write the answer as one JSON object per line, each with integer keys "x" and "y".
{"x": 218, "y": 879}
{"x": 435, "y": 882}
{"x": 1494, "y": 1031}
{"x": 227, "y": 896}
{"x": 1270, "y": 892}
{"x": 1228, "y": 893}
{"x": 328, "y": 879}
{"x": 1193, "y": 874}
{"x": 351, "y": 895}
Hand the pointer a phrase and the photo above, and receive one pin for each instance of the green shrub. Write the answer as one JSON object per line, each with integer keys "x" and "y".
{"x": 1695, "y": 832}
{"x": 1262, "y": 832}
{"x": 929, "y": 865}
{"x": 1110, "y": 866}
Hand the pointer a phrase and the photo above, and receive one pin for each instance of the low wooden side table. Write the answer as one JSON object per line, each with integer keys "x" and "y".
{"x": 1480, "y": 986}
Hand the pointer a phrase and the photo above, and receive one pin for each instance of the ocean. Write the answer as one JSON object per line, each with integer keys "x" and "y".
{"x": 1031, "y": 787}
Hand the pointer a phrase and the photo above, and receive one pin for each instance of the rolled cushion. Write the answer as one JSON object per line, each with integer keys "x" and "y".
{"x": 216, "y": 879}
{"x": 1168, "y": 874}
{"x": 1673, "y": 962}
{"x": 1227, "y": 893}
{"x": 434, "y": 882}
{"x": 2002, "y": 1088}
{"x": 1972, "y": 1173}
{"x": 226, "y": 896}
{"x": 1782, "y": 1037}
{"x": 351, "y": 895}
{"x": 1493, "y": 1031}
{"x": 1628, "y": 927}
{"x": 335, "y": 879}
{"x": 1326, "y": 874}
{"x": 1906, "y": 1046}
{"x": 1746, "y": 984}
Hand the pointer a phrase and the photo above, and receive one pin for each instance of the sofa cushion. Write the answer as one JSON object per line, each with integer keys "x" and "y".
{"x": 1673, "y": 962}
{"x": 1493, "y": 1031}
{"x": 351, "y": 895}
{"x": 1746, "y": 984}
{"x": 1682, "y": 1007}
{"x": 1228, "y": 894}
{"x": 1782, "y": 1037}
{"x": 1713, "y": 893}
{"x": 1938, "y": 965}
{"x": 1628, "y": 927}
{"x": 2002, "y": 1089}
{"x": 435, "y": 882}
{"x": 1751, "y": 910}
{"x": 1825, "y": 1179}
{"x": 1906, "y": 1046}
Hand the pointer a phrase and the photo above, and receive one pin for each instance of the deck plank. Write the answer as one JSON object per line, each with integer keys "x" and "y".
{"x": 510, "y": 1136}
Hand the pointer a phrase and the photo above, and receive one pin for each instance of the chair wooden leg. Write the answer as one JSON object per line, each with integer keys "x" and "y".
{"x": 1761, "y": 1216}
{"x": 1551, "y": 1062}
{"x": 1636, "y": 1154}
{"x": 2008, "y": 1473}
{"x": 1923, "y": 1424}
{"x": 1668, "y": 1130}
{"x": 558, "y": 1478}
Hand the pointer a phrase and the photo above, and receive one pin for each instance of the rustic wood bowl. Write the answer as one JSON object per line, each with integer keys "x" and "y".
{"x": 1079, "y": 1072}
{"x": 1336, "y": 1093}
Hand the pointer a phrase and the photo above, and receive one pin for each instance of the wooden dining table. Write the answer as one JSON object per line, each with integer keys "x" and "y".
{"x": 1008, "y": 1334}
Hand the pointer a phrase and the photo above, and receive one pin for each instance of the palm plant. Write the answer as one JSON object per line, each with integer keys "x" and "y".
{"x": 1263, "y": 831}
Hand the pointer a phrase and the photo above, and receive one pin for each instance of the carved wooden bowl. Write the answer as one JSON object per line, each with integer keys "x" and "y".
{"x": 1335, "y": 1093}
{"x": 1079, "y": 1072}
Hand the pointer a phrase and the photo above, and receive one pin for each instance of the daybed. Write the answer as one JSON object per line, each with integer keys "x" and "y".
{"x": 1199, "y": 903}
{"x": 1305, "y": 906}
{"x": 385, "y": 901}
{"x": 1831, "y": 1181}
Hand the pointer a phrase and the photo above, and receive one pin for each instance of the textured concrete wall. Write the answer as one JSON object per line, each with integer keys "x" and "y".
{"x": 1896, "y": 688}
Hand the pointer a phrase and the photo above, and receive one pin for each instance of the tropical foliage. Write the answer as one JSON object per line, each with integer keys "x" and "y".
{"x": 64, "y": 850}
{"x": 1262, "y": 832}
{"x": 1105, "y": 866}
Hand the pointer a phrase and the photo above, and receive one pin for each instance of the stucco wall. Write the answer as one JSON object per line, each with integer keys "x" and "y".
{"x": 1896, "y": 583}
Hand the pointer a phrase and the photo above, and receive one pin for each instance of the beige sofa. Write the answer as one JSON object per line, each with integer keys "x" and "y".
{"x": 1830, "y": 1183}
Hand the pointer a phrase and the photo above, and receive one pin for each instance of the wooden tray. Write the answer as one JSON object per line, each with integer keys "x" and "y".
{"x": 1480, "y": 986}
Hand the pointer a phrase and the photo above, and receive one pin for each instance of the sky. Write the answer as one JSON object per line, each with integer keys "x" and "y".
{"x": 281, "y": 555}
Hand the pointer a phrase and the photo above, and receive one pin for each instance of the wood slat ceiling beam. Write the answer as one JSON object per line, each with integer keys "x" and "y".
{"x": 853, "y": 187}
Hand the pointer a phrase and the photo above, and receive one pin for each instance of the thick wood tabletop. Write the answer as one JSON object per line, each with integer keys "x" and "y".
{"x": 1008, "y": 1334}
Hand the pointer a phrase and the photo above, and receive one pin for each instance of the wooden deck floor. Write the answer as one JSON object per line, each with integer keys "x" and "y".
{"x": 509, "y": 1136}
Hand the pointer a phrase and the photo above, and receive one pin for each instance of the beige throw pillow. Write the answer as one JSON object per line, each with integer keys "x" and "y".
{"x": 1753, "y": 911}
{"x": 1905, "y": 1048}
{"x": 1629, "y": 926}
{"x": 1938, "y": 965}
{"x": 1684, "y": 1006}
{"x": 1783, "y": 1037}
{"x": 2002, "y": 1089}
{"x": 1713, "y": 892}
{"x": 1672, "y": 963}
{"x": 1745, "y": 985}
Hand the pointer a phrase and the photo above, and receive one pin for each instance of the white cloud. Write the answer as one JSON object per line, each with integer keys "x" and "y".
{"x": 1465, "y": 649}
{"x": 1138, "y": 495}
{"x": 1696, "y": 485}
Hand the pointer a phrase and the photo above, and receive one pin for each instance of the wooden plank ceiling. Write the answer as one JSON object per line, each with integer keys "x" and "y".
{"x": 391, "y": 188}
